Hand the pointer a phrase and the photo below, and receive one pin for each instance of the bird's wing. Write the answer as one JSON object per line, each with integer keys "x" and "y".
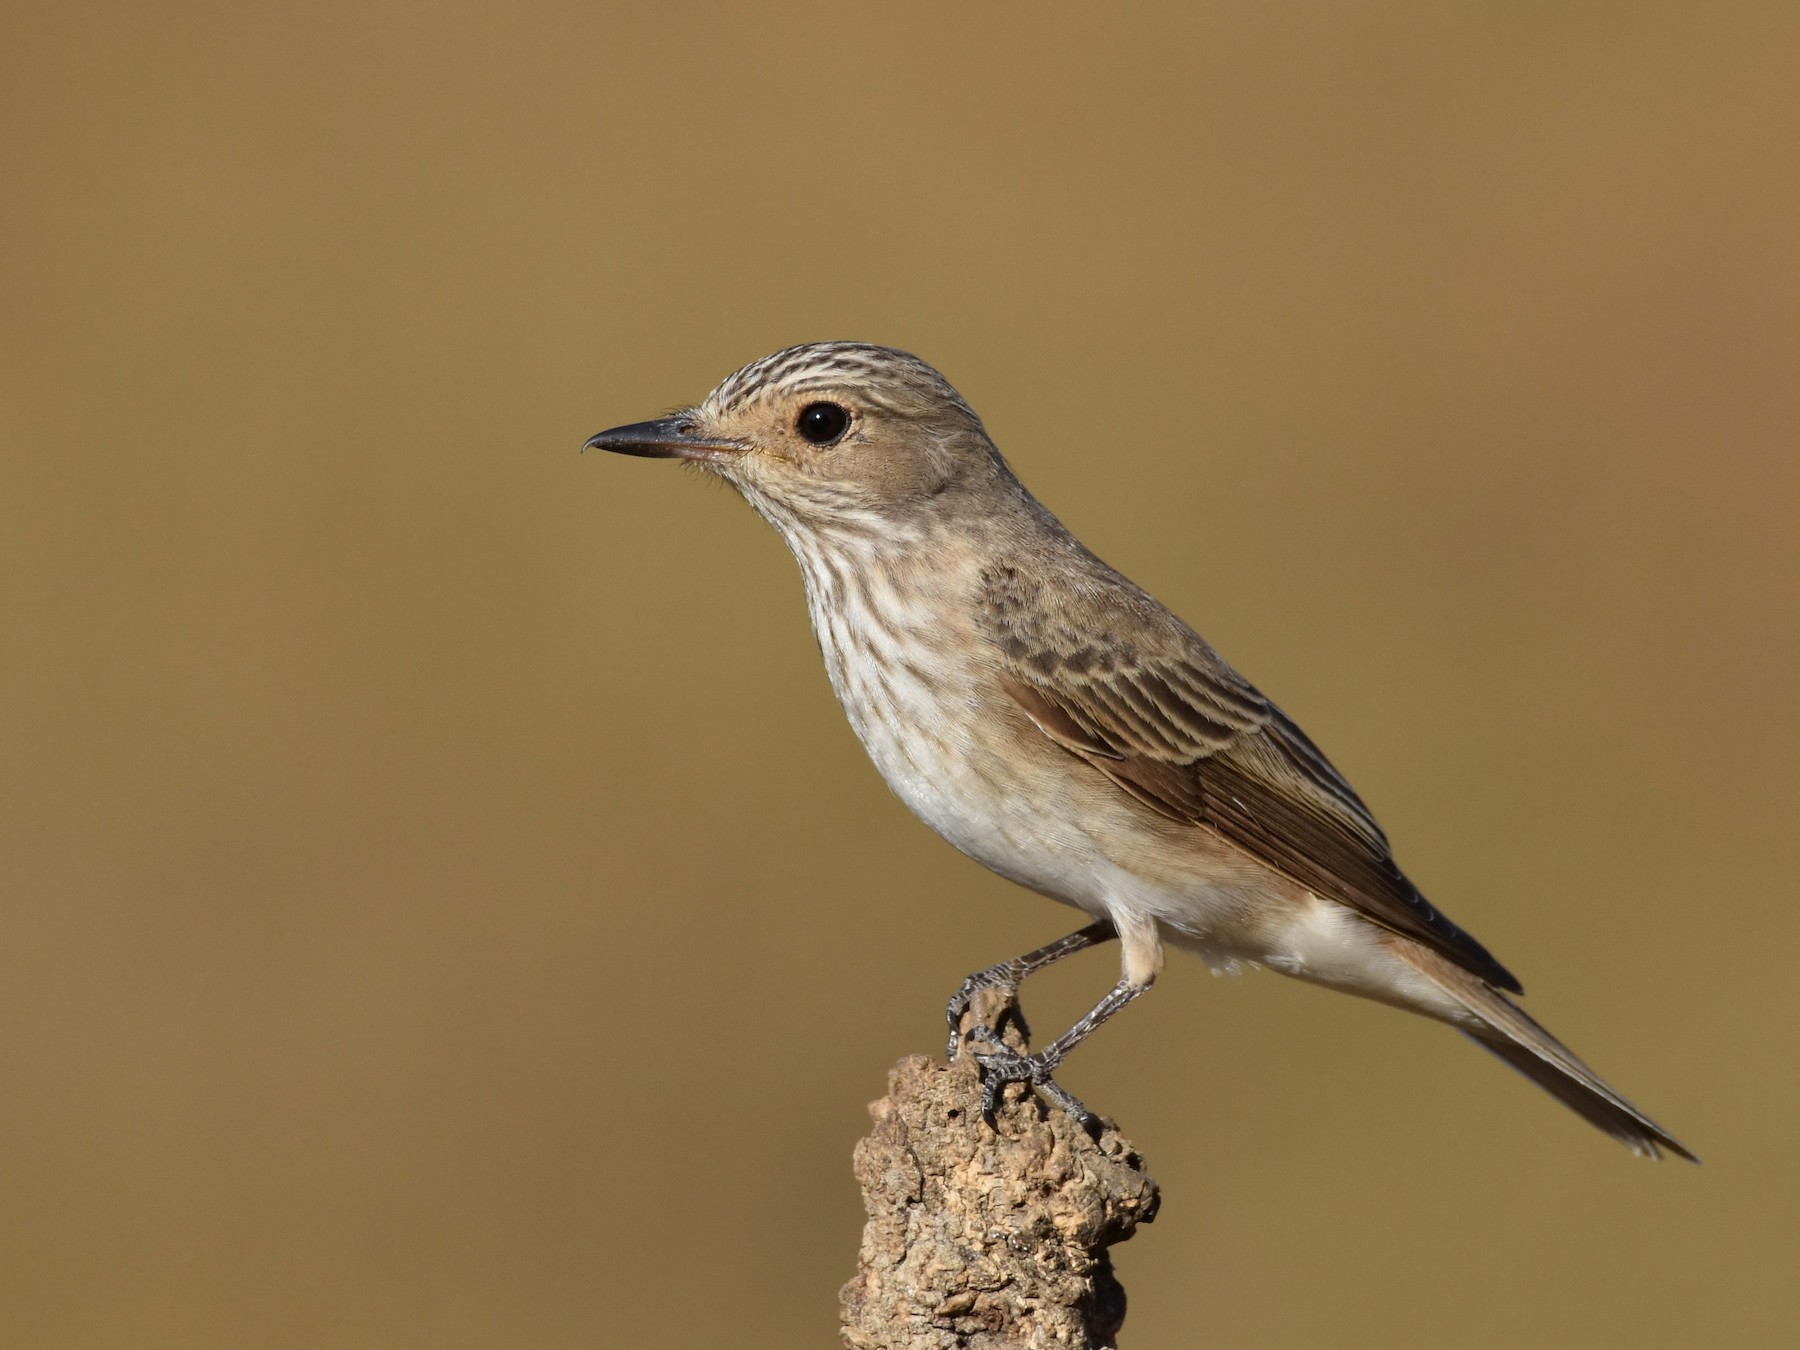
{"x": 1164, "y": 717}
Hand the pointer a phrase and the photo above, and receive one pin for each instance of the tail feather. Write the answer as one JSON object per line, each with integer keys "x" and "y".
{"x": 1501, "y": 1027}
{"x": 1587, "y": 1095}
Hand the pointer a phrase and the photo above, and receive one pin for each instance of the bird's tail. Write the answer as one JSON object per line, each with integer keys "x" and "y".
{"x": 1500, "y": 1026}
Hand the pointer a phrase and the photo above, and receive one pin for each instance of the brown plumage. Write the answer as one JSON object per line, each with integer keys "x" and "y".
{"x": 1053, "y": 721}
{"x": 1165, "y": 717}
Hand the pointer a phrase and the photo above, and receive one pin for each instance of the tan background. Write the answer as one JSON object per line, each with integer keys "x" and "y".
{"x": 443, "y": 905}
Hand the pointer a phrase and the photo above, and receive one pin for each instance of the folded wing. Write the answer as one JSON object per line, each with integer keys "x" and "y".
{"x": 1176, "y": 727}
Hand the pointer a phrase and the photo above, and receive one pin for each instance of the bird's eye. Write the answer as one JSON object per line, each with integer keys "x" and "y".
{"x": 822, "y": 423}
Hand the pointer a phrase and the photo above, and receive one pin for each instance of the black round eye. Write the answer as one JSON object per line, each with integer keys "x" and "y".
{"x": 822, "y": 423}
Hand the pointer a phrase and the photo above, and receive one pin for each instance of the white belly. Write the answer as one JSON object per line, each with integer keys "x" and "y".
{"x": 928, "y": 745}
{"x": 964, "y": 792}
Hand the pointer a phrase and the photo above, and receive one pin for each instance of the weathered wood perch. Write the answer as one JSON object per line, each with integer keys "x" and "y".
{"x": 988, "y": 1239}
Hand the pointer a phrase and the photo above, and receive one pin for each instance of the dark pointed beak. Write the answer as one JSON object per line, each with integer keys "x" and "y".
{"x": 665, "y": 438}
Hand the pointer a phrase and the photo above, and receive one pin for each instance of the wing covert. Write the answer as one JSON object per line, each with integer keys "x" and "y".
{"x": 1185, "y": 734}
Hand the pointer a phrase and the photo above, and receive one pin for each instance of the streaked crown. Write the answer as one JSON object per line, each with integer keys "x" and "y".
{"x": 845, "y": 434}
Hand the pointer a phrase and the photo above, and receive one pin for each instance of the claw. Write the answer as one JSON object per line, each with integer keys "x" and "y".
{"x": 961, "y": 1000}
{"x": 1002, "y": 1065}
{"x": 1007, "y": 975}
{"x": 953, "y": 1014}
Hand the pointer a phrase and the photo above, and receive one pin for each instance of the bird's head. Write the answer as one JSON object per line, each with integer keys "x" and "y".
{"x": 829, "y": 431}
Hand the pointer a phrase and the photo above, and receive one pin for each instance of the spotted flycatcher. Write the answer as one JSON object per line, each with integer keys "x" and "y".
{"x": 1058, "y": 725}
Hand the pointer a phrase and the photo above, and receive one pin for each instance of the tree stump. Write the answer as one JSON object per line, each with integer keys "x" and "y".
{"x": 988, "y": 1238}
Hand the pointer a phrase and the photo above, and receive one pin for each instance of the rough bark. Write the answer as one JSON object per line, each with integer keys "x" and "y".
{"x": 986, "y": 1238}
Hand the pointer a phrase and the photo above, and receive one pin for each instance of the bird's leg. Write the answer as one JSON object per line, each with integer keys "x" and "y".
{"x": 1007, "y": 976}
{"x": 1002, "y": 1065}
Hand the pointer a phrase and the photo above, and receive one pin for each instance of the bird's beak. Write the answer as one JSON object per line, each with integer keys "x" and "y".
{"x": 665, "y": 438}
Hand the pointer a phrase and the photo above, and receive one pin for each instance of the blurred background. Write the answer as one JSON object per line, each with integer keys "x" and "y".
{"x": 443, "y": 904}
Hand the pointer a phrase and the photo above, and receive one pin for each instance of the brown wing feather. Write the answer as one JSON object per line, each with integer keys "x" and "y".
{"x": 1188, "y": 736}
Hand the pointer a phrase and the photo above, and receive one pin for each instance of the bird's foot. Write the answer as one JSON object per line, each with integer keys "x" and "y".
{"x": 1000, "y": 1065}
{"x": 1002, "y": 981}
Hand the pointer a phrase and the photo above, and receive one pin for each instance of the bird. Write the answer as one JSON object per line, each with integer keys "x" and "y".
{"x": 1054, "y": 722}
